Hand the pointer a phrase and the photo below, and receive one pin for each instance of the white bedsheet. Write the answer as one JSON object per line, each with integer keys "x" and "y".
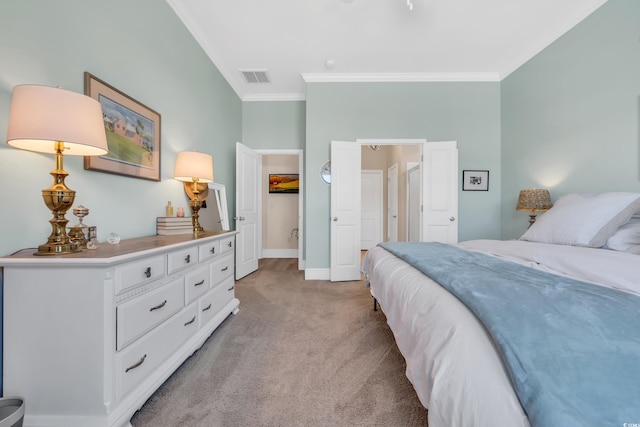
{"x": 451, "y": 360}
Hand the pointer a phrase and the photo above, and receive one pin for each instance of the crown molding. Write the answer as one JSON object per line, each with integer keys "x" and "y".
{"x": 259, "y": 97}
{"x": 399, "y": 77}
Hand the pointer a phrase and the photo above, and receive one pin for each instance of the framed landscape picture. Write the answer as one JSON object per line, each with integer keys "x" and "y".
{"x": 284, "y": 183}
{"x": 133, "y": 133}
{"x": 475, "y": 180}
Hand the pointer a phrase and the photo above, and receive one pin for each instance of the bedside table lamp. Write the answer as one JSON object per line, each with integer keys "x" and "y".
{"x": 195, "y": 170}
{"x": 534, "y": 200}
{"x": 52, "y": 120}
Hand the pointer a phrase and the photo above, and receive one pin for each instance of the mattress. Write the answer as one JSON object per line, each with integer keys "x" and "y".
{"x": 451, "y": 360}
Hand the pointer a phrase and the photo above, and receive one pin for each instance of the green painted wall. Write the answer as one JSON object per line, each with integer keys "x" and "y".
{"x": 142, "y": 49}
{"x": 570, "y": 115}
{"x": 274, "y": 125}
{"x": 465, "y": 112}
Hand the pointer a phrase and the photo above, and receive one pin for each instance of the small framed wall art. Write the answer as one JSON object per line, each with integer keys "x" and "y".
{"x": 284, "y": 183}
{"x": 133, "y": 133}
{"x": 475, "y": 180}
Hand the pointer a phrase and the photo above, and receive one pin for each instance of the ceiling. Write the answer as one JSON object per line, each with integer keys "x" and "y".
{"x": 298, "y": 41}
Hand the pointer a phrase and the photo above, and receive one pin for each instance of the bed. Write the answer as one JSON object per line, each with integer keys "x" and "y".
{"x": 469, "y": 372}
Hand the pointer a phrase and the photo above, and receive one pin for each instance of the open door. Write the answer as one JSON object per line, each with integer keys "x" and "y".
{"x": 414, "y": 213}
{"x": 371, "y": 209}
{"x": 440, "y": 192}
{"x": 345, "y": 210}
{"x": 248, "y": 221}
{"x": 392, "y": 203}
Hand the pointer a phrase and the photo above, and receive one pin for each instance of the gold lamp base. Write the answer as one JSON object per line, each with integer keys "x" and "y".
{"x": 58, "y": 198}
{"x": 197, "y": 193}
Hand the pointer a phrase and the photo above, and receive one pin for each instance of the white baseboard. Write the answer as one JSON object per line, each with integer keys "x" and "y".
{"x": 317, "y": 274}
{"x": 279, "y": 253}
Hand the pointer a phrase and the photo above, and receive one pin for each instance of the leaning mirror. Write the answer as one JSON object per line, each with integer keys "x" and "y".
{"x": 215, "y": 216}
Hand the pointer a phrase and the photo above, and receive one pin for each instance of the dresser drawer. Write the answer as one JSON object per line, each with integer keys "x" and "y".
{"x": 211, "y": 304}
{"x": 135, "y": 364}
{"x": 136, "y": 273}
{"x": 197, "y": 283}
{"x": 209, "y": 250}
{"x": 227, "y": 244}
{"x": 137, "y": 316}
{"x": 182, "y": 259}
{"x": 221, "y": 269}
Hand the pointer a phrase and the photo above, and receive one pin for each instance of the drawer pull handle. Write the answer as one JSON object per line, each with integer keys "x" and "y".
{"x": 199, "y": 283}
{"x": 135, "y": 365}
{"x": 225, "y": 269}
{"x": 190, "y": 321}
{"x": 147, "y": 272}
{"x": 207, "y": 307}
{"x": 231, "y": 288}
{"x": 159, "y": 306}
{"x": 213, "y": 250}
{"x": 187, "y": 259}
{"x": 230, "y": 244}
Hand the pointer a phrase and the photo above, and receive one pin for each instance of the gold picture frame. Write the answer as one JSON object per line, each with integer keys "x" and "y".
{"x": 133, "y": 133}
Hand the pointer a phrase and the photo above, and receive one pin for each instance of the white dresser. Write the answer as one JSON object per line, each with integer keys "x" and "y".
{"x": 89, "y": 337}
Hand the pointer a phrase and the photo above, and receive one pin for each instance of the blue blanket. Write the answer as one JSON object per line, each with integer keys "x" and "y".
{"x": 572, "y": 349}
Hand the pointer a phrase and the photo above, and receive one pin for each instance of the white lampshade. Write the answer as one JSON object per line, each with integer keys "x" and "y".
{"x": 42, "y": 115}
{"x": 191, "y": 164}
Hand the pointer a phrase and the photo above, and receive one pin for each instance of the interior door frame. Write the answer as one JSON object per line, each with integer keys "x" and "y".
{"x": 300, "y": 154}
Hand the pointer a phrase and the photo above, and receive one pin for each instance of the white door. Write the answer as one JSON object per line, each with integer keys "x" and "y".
{"x": 345, "y": 211}
{"x": 371, "y": 215}
{"x": 440, "y": 192}
{"x": 392, "y": 203}
{"x": 413, "y": 204}
{"x": 248, "y": 167}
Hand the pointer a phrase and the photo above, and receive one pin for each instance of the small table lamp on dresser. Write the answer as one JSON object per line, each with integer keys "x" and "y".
{"x": 534, "y": 200}
{"x": 196, "y": 171}
{"x": 52, "y": 120}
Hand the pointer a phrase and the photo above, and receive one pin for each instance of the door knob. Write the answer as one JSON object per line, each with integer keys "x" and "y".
{"x": 453, "y": 218}
{"x": 335, "y": 218}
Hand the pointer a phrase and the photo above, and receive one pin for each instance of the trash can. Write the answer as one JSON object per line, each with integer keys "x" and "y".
{"x": 11, "y": 411}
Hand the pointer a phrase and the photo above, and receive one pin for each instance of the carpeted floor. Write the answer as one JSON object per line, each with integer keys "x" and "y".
{"x": 299, "y": 353}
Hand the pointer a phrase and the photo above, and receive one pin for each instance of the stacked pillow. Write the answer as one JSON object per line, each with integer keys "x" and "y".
{"x": 626, "y": 238}
{"x": 591, "y": 220}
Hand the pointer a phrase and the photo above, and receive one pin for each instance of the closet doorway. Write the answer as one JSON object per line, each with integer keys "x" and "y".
{"x": 438, "y": 198}
{"x": 252, "y": 191}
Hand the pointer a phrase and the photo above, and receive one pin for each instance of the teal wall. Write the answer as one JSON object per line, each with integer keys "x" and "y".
{"x": 465, "y": 112}
{"x": 567, "y": 120}
{"x": 570, "y": 116}
{"x": 142, "y": 49}
{"x": 275, "y": 124}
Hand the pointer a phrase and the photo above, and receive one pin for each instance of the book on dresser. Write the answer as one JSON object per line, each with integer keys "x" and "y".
{"x": 173, "y": 225}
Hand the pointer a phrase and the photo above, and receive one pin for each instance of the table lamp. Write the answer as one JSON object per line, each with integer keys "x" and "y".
{"x": 195, "y": 170}
{"x": 534, "y": 200}
{"x": 53, "y": 120}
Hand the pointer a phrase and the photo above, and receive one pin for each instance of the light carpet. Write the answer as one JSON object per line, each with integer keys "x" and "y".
{"x": 299, "y": 353}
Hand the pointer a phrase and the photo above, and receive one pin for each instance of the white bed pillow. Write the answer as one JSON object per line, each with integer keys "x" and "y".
{"x": 584, "y": 219}
{"x": 634, "y": 250}
{"x": 626, "y": 237}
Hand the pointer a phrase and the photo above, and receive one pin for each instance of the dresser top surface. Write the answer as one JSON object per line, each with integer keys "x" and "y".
{"x": 113, "y": 253}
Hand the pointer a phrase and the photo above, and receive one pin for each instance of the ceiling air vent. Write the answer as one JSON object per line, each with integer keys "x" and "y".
{"x": 256, "y": 76}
